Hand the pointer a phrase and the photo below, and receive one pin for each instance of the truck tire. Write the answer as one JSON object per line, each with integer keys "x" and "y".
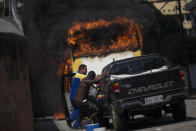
{"x": 179, "y": 111}
{"x": 118, "y": 121}
{"x": 157, "y": 114}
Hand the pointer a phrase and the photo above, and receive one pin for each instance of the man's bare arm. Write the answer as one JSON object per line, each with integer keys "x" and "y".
{"x": 96, "y": 80}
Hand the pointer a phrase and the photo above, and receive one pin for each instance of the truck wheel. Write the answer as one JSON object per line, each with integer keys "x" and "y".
{"x": 118, "y": 121}
{"x": 179, "y": 111}
{"x": 157, "y": 114}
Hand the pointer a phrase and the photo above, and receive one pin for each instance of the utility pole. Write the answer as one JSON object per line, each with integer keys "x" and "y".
{"x": 185, "y": 48}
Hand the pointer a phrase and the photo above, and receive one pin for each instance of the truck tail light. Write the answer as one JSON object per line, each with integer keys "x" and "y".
{"x": 182, "y": 74}
{"x": 116, "y": 88}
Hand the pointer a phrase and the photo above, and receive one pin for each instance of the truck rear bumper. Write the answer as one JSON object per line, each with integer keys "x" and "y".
{"x": 122, "y": 105}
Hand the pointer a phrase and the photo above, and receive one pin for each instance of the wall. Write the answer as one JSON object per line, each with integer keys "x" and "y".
{"x": 169, "y": 8}
{"x": 15, "y": 96}
{"x": 192, "y": 68}
{"x": 194, "y": 22}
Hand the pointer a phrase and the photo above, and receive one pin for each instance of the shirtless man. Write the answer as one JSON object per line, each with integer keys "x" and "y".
{"x": 81, "y": 100}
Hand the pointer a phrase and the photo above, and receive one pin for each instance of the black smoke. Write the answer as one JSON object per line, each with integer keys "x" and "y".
{"x": 54, "y": 18}
{"x": 100, "y": 35}
{"x": 46, "y": 23}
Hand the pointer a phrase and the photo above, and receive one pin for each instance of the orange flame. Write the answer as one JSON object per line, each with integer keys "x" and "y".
{"x": 68, "y": 66}
{"x": 64, "y": 68}
{"x": 129, "y": 39}
{"x": 59, "y": 116}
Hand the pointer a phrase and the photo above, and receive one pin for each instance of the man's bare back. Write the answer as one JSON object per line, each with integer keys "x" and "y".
{"x": 83, "y": 89}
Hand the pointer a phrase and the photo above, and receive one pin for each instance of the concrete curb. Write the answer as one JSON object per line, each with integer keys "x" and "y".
{"x": 191, "y": 97}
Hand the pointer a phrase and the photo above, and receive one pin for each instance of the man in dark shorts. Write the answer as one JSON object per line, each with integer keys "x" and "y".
{"x": 84, "y": 103}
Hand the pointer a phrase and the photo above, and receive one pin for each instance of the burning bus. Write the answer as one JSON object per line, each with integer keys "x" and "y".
{"x": 98, "y": 43}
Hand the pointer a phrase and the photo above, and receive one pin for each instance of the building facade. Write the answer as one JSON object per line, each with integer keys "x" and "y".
{"x": 170, "y": 7}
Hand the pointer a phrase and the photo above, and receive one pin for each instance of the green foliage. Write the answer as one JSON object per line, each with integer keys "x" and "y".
{"x": 164, "y": 37}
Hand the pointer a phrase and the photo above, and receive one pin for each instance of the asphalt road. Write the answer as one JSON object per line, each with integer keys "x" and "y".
{"x": 166, "y": 123}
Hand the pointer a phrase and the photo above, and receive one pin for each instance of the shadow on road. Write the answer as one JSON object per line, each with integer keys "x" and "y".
{"x": 45, "y": 125}
{"x": 149, "y": 122}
